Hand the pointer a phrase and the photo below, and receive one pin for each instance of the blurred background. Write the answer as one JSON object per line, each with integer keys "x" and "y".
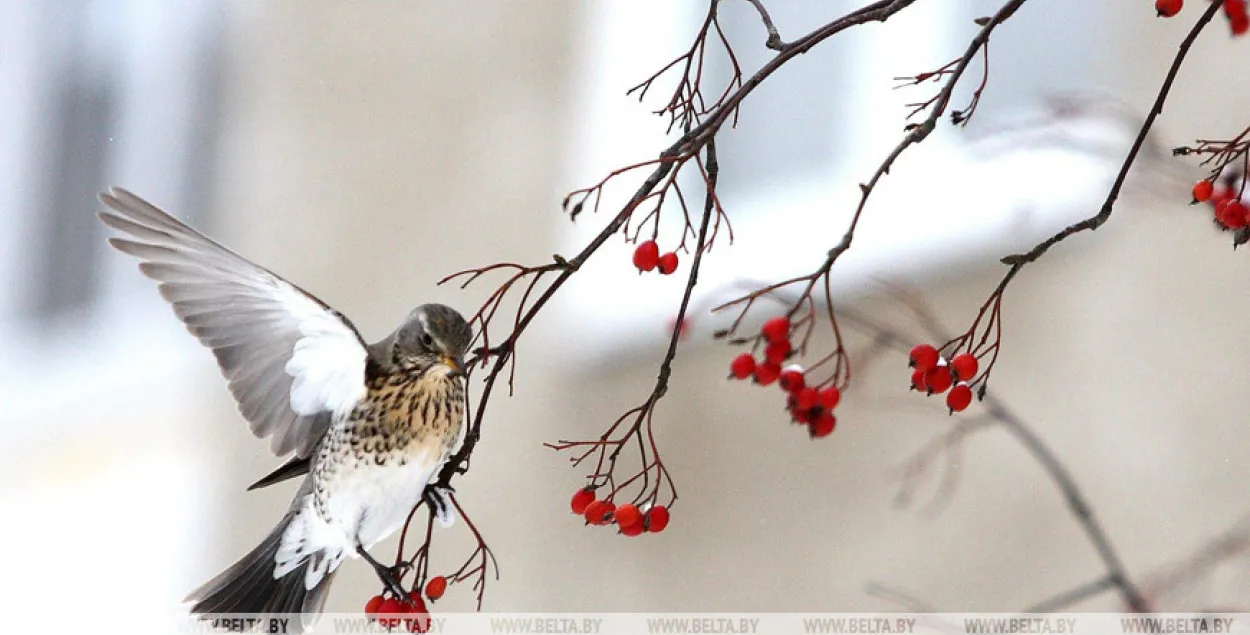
{"x": 365, "y": 150}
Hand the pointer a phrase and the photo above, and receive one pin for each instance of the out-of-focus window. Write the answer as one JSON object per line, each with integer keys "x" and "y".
{"x": 96, "y": 93}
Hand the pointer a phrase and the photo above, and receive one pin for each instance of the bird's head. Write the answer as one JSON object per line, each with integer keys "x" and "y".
{"x": 434, "y": 336}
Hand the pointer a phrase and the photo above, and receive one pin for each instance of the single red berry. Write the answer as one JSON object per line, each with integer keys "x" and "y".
{"x": 633, "y": 530}
{"x": 1238, "y": 18}
{"x": 420, "y": 623}
{"x": 389, "y": 612}
{"x": 938, "y": 379}
{"x": 1203, "y": 190}
{"x": 767, "y": 373}
{"x": 436, "y": 587}
{"x": 415, "y": 605}
{"x": 830, "y": 397}
{"x": 1238, "y": 213}
{"x": 917, "y": 380}
{"x": 627, "y": 515}
{"x": 960, "y": 397}
{"x": 924, "y": 357}
{"x": 742, "y": 366}
{"x": 805, "y": 399}
{"x": 776, "y": 329}
{"x": 964, "y": 366}
{"x": 597, "y": 512}
{"x": 777, "y": 352}
{"x": 582, "y": 499}
{"x": 667, "y": 263}
{"x": 1240, "y": 23}
{"x": 823, "y": 425}
{"x": 656, "y": 519}
{"x": 1231, "y": 213}
{"x": 1168, "y": 8}
{"x": 647, "y": 256}
{"x": 800, "y": 415}
{"x": 791, "y": 380}
{"x": 372, "y": 606}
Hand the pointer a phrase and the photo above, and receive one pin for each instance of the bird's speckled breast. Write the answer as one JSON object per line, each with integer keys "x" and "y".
{"x": 406, "y": 417}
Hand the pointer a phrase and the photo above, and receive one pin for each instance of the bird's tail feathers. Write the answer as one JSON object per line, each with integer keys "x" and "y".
{"x": 248, "y": 587}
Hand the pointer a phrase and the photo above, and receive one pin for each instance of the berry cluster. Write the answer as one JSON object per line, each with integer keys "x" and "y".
{"x": 1225, "y": 199}
{"x": 647, "y": 257}
{"x": 934, "y": 374}
{"x": 809, "y": 405}
{"x": 1234, "y": 10}
{"x": 630, "y": 520}
{"x": 391, "y": 613}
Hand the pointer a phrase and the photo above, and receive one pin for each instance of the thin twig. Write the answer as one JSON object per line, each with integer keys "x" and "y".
{"x": 774, "y": 41}
{"x": 1078, "y": 504}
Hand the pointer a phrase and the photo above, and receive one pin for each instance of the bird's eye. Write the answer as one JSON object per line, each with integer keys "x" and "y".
{"x": 427, "y": 340}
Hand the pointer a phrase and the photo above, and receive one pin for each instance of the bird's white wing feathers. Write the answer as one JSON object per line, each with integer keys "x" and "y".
{"x": 293, "y": 362}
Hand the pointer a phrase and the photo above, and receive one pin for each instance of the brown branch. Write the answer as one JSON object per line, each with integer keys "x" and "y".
{"x": 774, "y": 41}
{"x": 1073, "y": 596}
{"x": 998, "y": 409}
{"x": 916, "y": 133}
{"x": 642, "y": 415}
{"x": 1017, "y": 261}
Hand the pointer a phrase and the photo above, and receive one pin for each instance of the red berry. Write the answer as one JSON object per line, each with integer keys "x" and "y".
{"x": 1203, "y": 190}
{"x": 597, "y": 512}
{"x": 917, "y": 380}
{"x": 388, "y": 612}
{"x": 805, "y": 399}
{"x": 938, "y": 379}
{"x": 656, "y": 519}
{"x": 1240, "y": 23}
{"x": 633, "y": 530}
{"x": 1168, "y": 8}
{"x": 420, "y": 623}
{"x": 1238, "y": 18}
{"x": 776, "y": 329}
{"x": 777, "y": 352}
{"x": 800, "y": 415}
{"x": 924, "y": 357}
{"x": 647, "y": 256}
{"x": 791, "y": 380}
{"x": 436, "y": 587}
{"x": 372, "y": 606}
{"x": 830, "y": 397}
{"x": 667, "y": 263}
{"x": 823, "y": 425}
{"x": 959, "y": 398}
{"x": 742, "y": 366}
{"x": 964, "y": 366}
{"x": 767, "y": 373}
{"x": 1231, "y": 213}
{"x": 582, "y": 499}
{"x": 627, "y": 515}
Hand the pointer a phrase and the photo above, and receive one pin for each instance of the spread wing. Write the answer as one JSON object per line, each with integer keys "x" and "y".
{"x": 292, "y": 361}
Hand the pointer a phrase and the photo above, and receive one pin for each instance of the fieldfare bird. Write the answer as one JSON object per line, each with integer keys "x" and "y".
{"x": 368, "y": 424}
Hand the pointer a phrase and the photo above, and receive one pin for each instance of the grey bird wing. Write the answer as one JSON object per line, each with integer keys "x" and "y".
{"x": 293, "y": 363}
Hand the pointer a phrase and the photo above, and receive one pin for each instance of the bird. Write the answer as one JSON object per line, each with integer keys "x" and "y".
{"x": 366, "y": 425}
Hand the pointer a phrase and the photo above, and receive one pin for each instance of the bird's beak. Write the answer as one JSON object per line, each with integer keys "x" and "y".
{"x": 456, "y": 364}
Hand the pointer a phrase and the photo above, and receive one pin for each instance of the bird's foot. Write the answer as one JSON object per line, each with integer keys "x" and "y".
{"x": 439, "y": 500}
{"x": 390, "y": 576}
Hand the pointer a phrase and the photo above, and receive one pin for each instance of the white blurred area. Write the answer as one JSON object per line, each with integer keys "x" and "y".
{"x": 366, "y": 150}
